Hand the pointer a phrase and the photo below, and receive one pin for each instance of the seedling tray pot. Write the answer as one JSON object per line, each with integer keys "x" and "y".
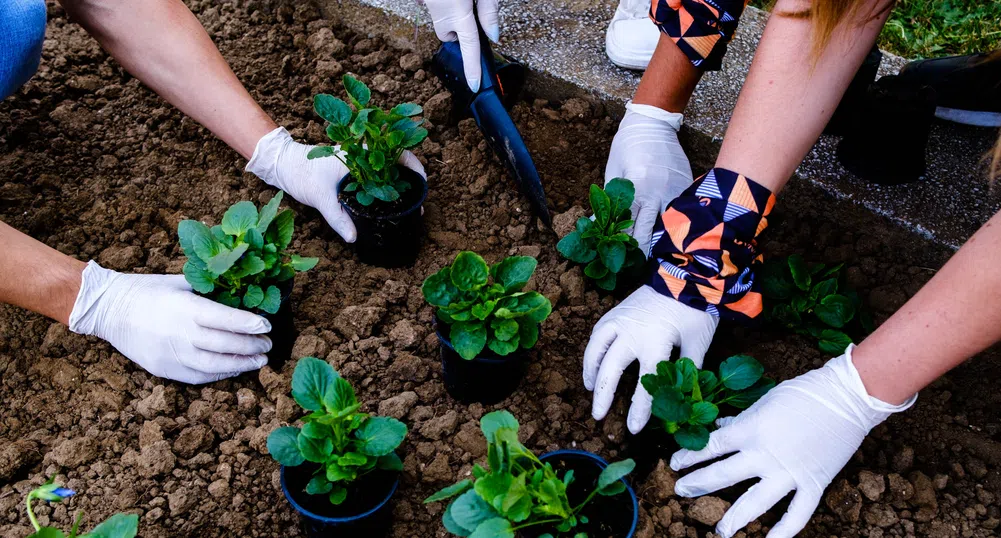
{"x": 367, "y": 512}
{"x": 617, "y": 515}
{"x": 486, "y": 379}
{"x": 282, "y": 333}
{"x": 388, "y": 238}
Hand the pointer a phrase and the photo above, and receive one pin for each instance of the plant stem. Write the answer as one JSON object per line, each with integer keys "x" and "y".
{"x": 542, "y": 522}
{"x": 587, "y": 500}
{"x": 31, "y": 514}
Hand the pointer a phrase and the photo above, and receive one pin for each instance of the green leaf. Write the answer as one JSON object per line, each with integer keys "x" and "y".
{"x": 514, "y": 272}
{"x": 353, "y": 459}
{"x": 356, "y": 89}
{"x": 311, "y": 381}
{"x": 319, "y": 485}
{"x": 377, "y": 159}
{"x": 607, "y": 282}
{"x": 468, "y": 338}
{"x": 450, "y": 524}
{"x": 116, "y": 526}
{"x": 228, "y": 299}
{"x": 379, "y": 436}
{"x": 414, "y": 137}
{"x": 493, "y": 487}
{"x": 528, "y": 333}
{"x": 504, "y": 329}
{"x": 496, "y": 420}
{"x": 284, "y": 448}
{"x": 47, "y": 532}
{"x": 450, "y": 491}
{"x": 281, "y": 229}
{"x": 315, "y": 450}
{"x": 835, "y": 310}
{"x": 469, "y": 271}
{"x": 316, "y": 430}
{"x": 601, "y": 205}
{"x": 596, "y": 270}
{"x": 497, "y": 527}
{"x": 225, "y": 259}
{"x": 341, "y": 396}
{"x": 745, "y": 398}
{"x": 364, "y": 198}
{"x": 687, "y": 374}
{"x": 613, "y": 254}
{"x": 389, "y": 462}
{"x": 272, "y": 301}
{"x": 823, "y": 289}
{"x": 833, "y": 342}
{"x": 482, "y": 310}
{"x": 614, "y": 472}
{"x": 438, "y": 289}
{"x": 469, "y": 510}
{"x": 197, "y": 240}
{"x": 253, "y": 297}
{"x": 669, "y": 404}
{"x": 503, "y": 347}
{"x": 199, "y": 278}
{"x": 407, "y": 109}
{"x": 320, "y": 152}
{"x": 800, "y": 272}
{"x": 332, "y": 109}
{"x": 337, "y": 495}
{"x": 620, "y": 193}
{"x": 703, "y": 413}
{"x": 740, "y": 372}
{"x": 239, "y": 218}
{"x": 303, "y": 264}
{"x": 574, "y": 248}
{"x": 707, "y": 381}
{"x": 692, "y": 437}
{"x": 254, "y": 238}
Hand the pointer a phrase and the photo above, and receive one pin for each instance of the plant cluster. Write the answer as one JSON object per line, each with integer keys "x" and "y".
{"x": 345, "y": 443}
{"x": 811, "y": 299}
{"x": 602, "y": 243}
{"x": 687, "y": 399}
{"x": 240, "y": 262}
{"x": 484, "y": 305}
{"x": 116, "y": 526}
{"x": 370, "y": 139}
{"x": 518, "y": 491}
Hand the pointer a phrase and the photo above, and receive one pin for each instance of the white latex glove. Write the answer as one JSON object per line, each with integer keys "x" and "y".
{"x": 161, "y": 325}
{"x": 796, "y": 437}
{"x": 281, "y": 162}
{"x": 646, "y": 151}
{"x": 454, "y": 20}
{"x": 646, "y": 326}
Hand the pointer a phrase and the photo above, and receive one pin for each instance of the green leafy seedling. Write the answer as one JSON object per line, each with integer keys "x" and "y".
{"x": 484, "y": 305}
{"x": 601, "y": 244}
{"x": 346, "y": 443}
{"x": 687, "y": 399}
{"x": 812, "y": 299}
{"x": 370, "y": 141}
{"x": 241, "y": 261}
{"x": 116, "y": 526}
{"x": 518, "y": 491}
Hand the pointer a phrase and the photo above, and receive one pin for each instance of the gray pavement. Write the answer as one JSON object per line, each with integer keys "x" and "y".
{"x": 562, "y": 42}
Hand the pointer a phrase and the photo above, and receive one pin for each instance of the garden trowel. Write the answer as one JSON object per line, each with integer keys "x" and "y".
{"x": 501, "y": 81}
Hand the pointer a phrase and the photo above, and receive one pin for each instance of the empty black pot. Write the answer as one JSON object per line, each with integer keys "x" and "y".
{"x": 389, "y": 234}
{"x": 366, "y": 512}
{"x": 617, "y": 515}
{"x": 487, "y": 379}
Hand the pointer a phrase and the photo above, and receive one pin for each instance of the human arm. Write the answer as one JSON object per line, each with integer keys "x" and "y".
{"x": 154, "y": 320}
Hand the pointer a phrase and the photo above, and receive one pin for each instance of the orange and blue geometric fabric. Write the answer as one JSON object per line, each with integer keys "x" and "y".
{"x": 701, "y": 28}
{"x": 703, "y": 250}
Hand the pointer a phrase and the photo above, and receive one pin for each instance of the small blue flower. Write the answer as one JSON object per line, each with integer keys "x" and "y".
{"x": 64, "y": 492}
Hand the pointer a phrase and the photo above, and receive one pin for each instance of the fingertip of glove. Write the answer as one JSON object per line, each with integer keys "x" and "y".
{"x": 493, "y": 33}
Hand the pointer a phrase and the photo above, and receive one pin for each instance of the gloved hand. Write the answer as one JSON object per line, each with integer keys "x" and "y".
{"x": 646, "y": 151}
{"x": 161, "y": 325}
{"x": 281, "y": 162}
{"x": 645, "y": 326}
{"x": 454, "y": 20}
{"x": 796, "y": 437}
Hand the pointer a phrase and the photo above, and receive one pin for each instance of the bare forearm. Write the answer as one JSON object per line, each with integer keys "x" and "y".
{"x": 670, "y": 79}
{"x": 37, "y": 277}
{"x": 162, "y": 44}
{"x": 788, "y": 98}
{"x": 953, "y": 317}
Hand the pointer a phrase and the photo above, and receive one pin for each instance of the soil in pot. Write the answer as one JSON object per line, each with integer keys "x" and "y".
{"x": 366, "y": 511}
{"x": 487, "y": 379}
{"x": 607, "y": 517}
{"x": 389, "y": 233}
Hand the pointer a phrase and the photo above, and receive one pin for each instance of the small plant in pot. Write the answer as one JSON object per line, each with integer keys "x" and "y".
{"x": 611, "y": 257}
{"x": 485, "y": 323}
{"x": 116, "y": 526}
{"x": 340, "y": 469}
{"x": 549, "y": 496}
{"x": 243, "y": 262}
{"x": 383, "y": 197}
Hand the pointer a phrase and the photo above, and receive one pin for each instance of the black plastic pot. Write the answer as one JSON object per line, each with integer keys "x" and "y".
{"x": 615, "y": 516}
{"x": 888, "y": 146}
{"x": 388, "y": 235}
{"x": 848, "y": 113}
{"x": 367, "y": 511}
{"x": 649, "y": 446}
{"x": 282, "y": 333}
{"x": 487, "y": 379}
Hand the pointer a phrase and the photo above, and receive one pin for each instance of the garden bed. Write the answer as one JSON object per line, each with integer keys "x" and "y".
{"x": 97, "y": 166}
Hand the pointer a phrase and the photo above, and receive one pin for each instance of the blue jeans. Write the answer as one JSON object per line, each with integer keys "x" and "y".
{"x": 22, "y": 30}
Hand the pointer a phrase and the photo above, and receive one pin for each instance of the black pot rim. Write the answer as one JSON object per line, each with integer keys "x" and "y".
{"x": 598, "y": 460}
{"x": 405, "y": 212}
{"x": 336, "y": 520}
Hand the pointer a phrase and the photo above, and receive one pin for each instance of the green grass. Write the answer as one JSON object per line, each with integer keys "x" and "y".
{"x": 930, "y": 28}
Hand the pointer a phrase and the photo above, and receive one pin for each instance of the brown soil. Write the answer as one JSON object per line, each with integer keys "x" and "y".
{"x": 97, "y": 166}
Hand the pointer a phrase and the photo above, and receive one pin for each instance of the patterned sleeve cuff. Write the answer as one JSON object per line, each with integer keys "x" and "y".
{"x": 704, "y": 248}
